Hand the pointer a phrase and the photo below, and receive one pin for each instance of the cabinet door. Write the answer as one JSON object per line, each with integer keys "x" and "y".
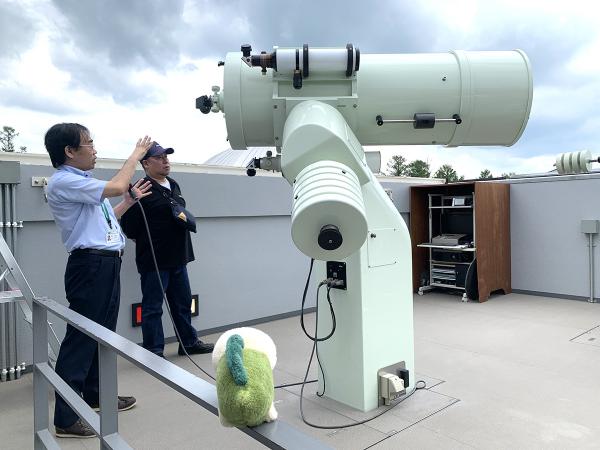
{"x": 492, "y": 230}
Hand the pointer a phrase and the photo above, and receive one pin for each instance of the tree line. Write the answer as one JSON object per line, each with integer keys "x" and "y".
{"x": 7, "y": 140}
{"x": 398, "y": 166}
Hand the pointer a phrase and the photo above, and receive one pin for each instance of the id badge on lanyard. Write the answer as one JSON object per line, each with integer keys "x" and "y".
{"x": 112, "y": 235}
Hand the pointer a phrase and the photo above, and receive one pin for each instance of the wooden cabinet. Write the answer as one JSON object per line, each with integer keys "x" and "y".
{"x": 489, "y": 231}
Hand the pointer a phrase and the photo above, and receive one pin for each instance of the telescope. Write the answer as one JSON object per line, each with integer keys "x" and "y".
{"x": 318, "y": 107}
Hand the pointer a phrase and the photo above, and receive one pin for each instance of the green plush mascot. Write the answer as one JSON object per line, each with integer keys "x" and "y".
{"x": 244, "y": 359}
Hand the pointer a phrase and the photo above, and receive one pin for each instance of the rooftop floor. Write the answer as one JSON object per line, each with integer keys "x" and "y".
{"x": 515, "y": 372}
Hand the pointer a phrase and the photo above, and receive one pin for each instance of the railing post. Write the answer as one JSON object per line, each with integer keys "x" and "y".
{"x": 40, "y": 385}
{"x": 107, "y": 367}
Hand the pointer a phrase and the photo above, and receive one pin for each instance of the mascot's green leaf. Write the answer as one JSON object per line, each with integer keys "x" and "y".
{"x": 235, "y": 359}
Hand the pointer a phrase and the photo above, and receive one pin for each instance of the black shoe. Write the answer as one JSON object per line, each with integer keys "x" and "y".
{"x": 124, "y": 403}
{"x": 78, "y": 430}
{"x": 198, "y": 348}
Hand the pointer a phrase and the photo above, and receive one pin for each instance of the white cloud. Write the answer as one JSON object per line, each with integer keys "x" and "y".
{"x": 173, "y": 121}
{"x": 71, "y": 77}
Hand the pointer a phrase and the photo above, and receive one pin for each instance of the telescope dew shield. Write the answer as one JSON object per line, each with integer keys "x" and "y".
{"x": 328, "y": 213}
{"x": 490, "y": 93}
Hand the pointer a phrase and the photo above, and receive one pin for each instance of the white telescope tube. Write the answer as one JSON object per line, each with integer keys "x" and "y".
{"x": 491, "y": 92}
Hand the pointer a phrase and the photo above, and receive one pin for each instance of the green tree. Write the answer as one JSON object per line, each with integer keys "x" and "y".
{"x": 397, "y": 166}
{"x": 485, "y": 174}
{"x": 508, "y": 175}
{"x": 7, "y": 138}
{"x": 447, "y": 173}
{"x": 418, "y": 168}
{"x": 22, "y": 149}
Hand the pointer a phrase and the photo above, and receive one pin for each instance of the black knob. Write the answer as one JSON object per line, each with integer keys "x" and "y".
{"x": 330, "y": 237}
{"x": 379, "y": 120}
{"x": 251, "y": 172}
{"x": 297, "y": 80}
{"x": 246, "y": 49}
{"x": 204, "y": 104}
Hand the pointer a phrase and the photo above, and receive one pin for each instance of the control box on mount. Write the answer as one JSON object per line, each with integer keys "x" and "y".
{"x": 337, "y": 271}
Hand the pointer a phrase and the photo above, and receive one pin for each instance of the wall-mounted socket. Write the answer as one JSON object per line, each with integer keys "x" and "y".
{"x": 39, "y": 181}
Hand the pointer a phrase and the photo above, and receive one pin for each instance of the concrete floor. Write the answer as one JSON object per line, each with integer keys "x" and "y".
{"x": 518, "y": 372}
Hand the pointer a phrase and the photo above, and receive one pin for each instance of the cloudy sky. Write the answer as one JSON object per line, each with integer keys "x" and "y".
{"x": 126, "y": 68}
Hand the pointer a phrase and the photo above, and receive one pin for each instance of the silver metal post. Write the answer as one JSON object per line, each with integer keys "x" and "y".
{"x": 591, "y": 245}
{"x": 107, "y": 367}
{"x": 10, "y": 317}
{"x": 6, "y": 215}
{"x": 7, "y": 348}
{"x": 3, "y": 364}
{"x": 13, "y": 206}
{"x": 14, "y": 224}
{"x": 2, "y": 209}
{"x": 10, "y": 338}
{"x": 40, "y": 384}
{"x": 3, "y": 343}
{"x": 2, "y": 227}
{"x": 429, "y": 237}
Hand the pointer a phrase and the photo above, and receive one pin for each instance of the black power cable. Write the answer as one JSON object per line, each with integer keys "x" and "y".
{"x": 163, "y": 291}
{"x": 315, "y": 340}
{"x": 169, "y": 309}
{"x": 315, "y": 351}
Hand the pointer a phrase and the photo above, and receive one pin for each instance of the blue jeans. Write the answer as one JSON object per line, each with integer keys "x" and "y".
{"x": 179, "y": 295}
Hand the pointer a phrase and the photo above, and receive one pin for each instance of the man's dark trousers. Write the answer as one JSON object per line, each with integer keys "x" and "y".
{"x": 92, "y": 287}
{"x": 179, "y": 295}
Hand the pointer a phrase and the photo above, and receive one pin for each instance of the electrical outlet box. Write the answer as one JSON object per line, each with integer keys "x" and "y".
{"x": 39, "y": 181}
{"x": 392, "y": 382}
{"x": 391, "y": 387}
{"x": 590, "y": 226}
{"x": 337, "y": 271}
{"x": 10, "y": 172}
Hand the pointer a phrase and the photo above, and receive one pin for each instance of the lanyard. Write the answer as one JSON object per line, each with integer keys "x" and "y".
{"x": 106, "y": 216}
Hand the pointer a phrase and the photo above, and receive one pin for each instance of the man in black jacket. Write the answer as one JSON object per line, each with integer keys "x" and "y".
{"x": 173, "y": 248}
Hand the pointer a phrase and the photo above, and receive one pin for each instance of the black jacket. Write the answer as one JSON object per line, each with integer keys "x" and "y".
{"x": 172, "y": 243}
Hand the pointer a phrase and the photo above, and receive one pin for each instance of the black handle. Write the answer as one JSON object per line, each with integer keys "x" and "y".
{"x": 204, "y": 104}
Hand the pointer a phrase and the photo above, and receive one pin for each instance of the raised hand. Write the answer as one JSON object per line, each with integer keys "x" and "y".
{"x": 142, "y": 146}
{"x": 140, "y": 189}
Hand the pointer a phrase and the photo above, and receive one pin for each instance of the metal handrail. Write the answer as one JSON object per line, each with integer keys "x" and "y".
{"x": 275, "y": 435}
